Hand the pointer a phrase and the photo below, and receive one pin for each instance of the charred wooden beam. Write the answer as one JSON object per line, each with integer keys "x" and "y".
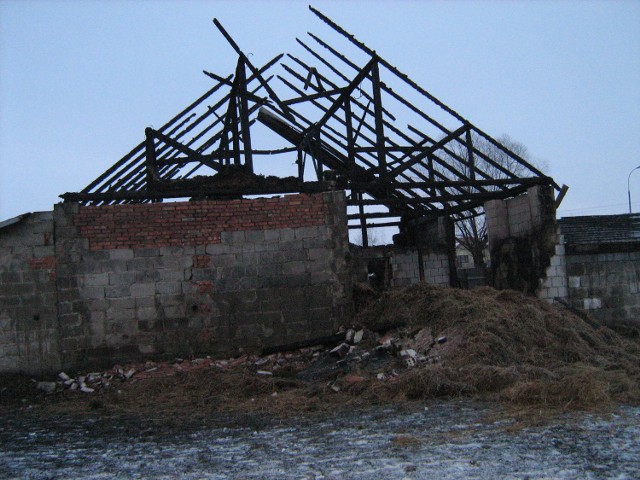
{"x": 329, "y": 157}
{"x": 183, "y": 149}
{"x": 339, "y": 102}
{"x": 323, "y": 94}
{"x": 379, "y": 123}
{"x": 334, "y": 69}
{"x": 386, "y": 64}
{"x": 432, "y": 148}
{"x": 212, "y": 192}
{"x": 285, "y": 109}
{"x": 370, "y": 165}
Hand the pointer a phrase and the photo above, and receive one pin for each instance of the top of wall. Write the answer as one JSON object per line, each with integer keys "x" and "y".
{"x": 601, "y": 229}
{"x": 19, "y": 218}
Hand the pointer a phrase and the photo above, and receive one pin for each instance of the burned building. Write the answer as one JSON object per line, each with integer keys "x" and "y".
{"x": 192, "y": 243}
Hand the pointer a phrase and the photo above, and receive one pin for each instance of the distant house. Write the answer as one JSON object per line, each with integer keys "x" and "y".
{"x": 464, "y": 259}
{"x": 602, "y": 257}
{"x": 468, "y": 274}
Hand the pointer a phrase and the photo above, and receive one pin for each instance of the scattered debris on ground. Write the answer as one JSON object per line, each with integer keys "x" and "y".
{"x": 413, "y": 343}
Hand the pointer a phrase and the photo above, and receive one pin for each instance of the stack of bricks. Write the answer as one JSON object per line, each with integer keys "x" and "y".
{"x": 192, "y": 223}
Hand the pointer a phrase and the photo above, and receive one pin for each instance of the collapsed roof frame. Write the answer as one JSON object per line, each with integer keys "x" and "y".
{"x": 439, "y": 168}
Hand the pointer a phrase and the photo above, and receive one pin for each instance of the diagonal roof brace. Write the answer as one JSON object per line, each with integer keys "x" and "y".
{"x": 338, "y": 102}
{"x": 183, "y": 149}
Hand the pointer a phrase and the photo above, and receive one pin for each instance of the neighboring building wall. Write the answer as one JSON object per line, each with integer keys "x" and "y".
{"x": 607, "y": 285}
{"x": 28, "y": 320}
{"x": 603, "y": 265}
{"x": 152, "y": 280}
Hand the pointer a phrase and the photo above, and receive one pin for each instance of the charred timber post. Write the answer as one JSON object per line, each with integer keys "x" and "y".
{"x": 451, "y": 252}
{"x": 285, "y": 110}
{"x": 472, "y": 165}
{"x": 150, "y": 161}
{"x": 241, "y": 76}
{"x": 363, "y": 222}
{"x": 379, "y": 122}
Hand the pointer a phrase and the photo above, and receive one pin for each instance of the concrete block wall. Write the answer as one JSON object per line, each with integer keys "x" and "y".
{"x": 403, "y": 262}
{"x": 522, "y": 241}
{"x": 519, "y": 216}
{"x": 126, "y": 282}
{"x": 406, "y": 269}
{"x": 28, "y": 298}
{"x": 555, "y": 284}
{"x": 199, "y": 277}
{"x": 607, "y": 285}
{"x": 497, "y": 218}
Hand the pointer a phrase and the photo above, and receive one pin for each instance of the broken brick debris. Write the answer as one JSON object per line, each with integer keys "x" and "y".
{"x": 352, "y": 346}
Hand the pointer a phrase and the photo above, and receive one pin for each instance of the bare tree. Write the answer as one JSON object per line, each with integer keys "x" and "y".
{"x": 472, "y": 232}
{"x": 374, "y": 237}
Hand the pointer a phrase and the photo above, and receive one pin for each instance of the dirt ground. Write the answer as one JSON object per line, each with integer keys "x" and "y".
{"x": 444, "y": 439}
{"x": 416, "y": 343}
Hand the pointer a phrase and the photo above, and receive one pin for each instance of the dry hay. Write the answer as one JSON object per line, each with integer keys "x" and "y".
{"x": 517, "y": 348}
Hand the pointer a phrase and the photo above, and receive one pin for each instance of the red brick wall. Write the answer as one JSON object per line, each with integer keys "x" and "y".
{"x": 193, "y": 223}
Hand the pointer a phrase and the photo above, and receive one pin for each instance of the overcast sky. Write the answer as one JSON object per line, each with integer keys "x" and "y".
{"x": 80, "y": 80}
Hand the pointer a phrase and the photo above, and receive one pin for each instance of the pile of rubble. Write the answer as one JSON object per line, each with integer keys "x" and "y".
{"x": 380, "y": 356}
{"x": 88, "y": 383}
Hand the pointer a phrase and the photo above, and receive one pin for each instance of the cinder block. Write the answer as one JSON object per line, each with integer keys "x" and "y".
{"x": 95, "y": 279}
{"x": 170, "y": 251}
{"x": 592, "y": 303}
{"x": 170, "y": 275}
{"x": 124, "y": 303}
{"x": 254, "y": 236}
{"x": 294, "y": 268}
{"x": 272, "y": 235}
{"x": 90, "y": 292}
{"x": 145, "y": 252}
{"x": 121, "y": 254}
{"x": 174, "y": 311}
{"x": 116, "y": 291}
{"x": 168, "y": 288}
{"x": 174, "y": 262}
{"x": 306, "y": 232}
{"x": 149, "y": 301}
{"x": 234, "y": 237}
{"x": 138, "y": 290}
{"x": 556, "y": 261}
{"x": 122, "y": 278}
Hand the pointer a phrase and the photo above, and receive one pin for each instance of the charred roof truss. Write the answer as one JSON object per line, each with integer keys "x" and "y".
{"x": 399, "y": 152}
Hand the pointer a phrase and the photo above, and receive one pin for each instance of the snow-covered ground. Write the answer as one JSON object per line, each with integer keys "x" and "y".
{"x": 445, "y": 440}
